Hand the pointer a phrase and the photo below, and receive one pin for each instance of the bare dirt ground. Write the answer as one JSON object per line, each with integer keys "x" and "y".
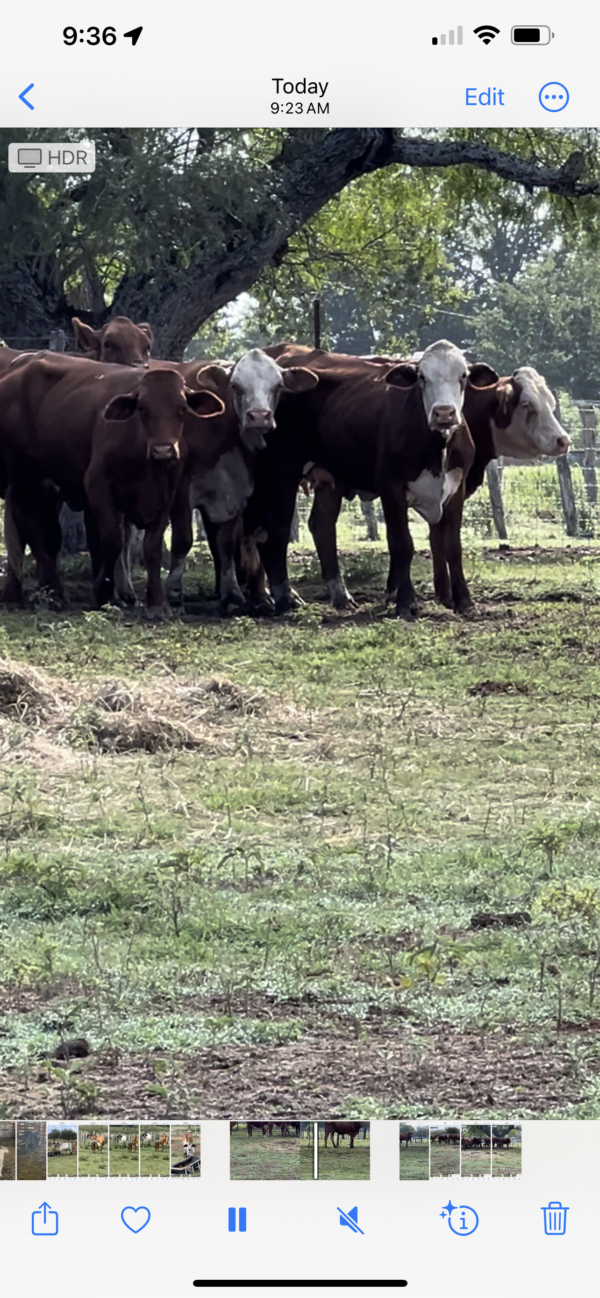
{"x": 464, "y": 1074}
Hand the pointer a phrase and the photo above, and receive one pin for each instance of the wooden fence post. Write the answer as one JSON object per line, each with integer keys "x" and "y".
{"x": 493, "y": 481}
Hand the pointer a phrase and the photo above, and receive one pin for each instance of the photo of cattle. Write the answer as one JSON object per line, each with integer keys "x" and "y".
{"x": 93, "y": 1150}
{"x": 31, "y": 1151}
{"x": 123, "y": 1149}
{"x": 507, "y": 1145}
{"x": 299, "y": 580}
{"x": 414, "y": 1151}
{"x": 264, "y": 1151}
{"x": 62, "y": 1149}
{"x": 185, "y": 1150}
{"x": 475, "y": 1149}
{"x": 7, "y": 1151}
{"x": 155, "y": 1150}
{"x": 344, "y": 1150}
{"x": 307, "y": 1151}
{"x": 444, "y": 1158}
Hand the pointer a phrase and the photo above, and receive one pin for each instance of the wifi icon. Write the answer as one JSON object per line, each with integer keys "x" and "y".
{"x": 486, "y": 32}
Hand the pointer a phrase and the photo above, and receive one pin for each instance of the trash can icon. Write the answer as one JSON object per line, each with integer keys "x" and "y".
{"x": 555, "y": 1219}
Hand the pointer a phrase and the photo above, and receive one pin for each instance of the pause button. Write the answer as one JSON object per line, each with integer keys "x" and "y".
{"x": 241, "y": 1219}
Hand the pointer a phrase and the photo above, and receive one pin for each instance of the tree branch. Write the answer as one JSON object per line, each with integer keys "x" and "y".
{"x": 179, "y": 300}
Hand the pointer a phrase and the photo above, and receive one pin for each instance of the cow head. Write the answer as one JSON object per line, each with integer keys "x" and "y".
{"x": 441, "y": 372}
{"x": 118, "y": 342}
{"x": 161, "y": 402}
{"x": 255, "y": 385}
{"x": 524, "y": 425}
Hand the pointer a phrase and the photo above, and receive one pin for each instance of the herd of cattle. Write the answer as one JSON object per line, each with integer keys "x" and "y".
{"x": 267, "y": 1128}
{"x": 466, "y": 1142}
{"x": 137, "y": 442}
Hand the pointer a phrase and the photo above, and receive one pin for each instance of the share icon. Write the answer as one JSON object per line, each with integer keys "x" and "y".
{"x": 350, "y": 1219}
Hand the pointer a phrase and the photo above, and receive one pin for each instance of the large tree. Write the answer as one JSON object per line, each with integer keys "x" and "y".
{"x": 173, "y": 225}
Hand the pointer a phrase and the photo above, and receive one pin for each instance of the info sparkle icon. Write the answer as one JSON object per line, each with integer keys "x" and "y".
{"x": 466, "y": 1220}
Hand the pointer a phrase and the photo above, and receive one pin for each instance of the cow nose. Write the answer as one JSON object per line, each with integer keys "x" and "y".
{"x": 563, "y": 444}
{"x": 259, "y": 418}
{"x": 444, "y": 415}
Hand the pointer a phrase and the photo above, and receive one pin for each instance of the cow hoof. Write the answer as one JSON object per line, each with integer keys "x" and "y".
{"x": 344, "y": 601}
{"x": 289, "y": 603}
{"x": 263, "y": 608}
{"x": 407, "y": 613}
{"x": 235, "y": 608}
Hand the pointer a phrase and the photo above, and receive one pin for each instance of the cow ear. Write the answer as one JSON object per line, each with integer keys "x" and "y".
{"x": 87, "y": 339}
{"x": 507, "y": 400}
{"x": 400, "y": 376}
{"x": 147, "y": 329}
{"x": 120, "y": 408}
{"x": 214, "y": 373}
{"x": 204, "y": 403}
{"x": 298, "y": 379}
{"x": 482, "y": 375}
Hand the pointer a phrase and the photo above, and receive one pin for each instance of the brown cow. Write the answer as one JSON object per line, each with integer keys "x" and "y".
{"x": 111, "y": 439}
{"x": 390, "y": 437}
{"x": 406, "y": 1136}
{"x": 510, "y": 416}
{"x": 262, "y": 1126}
{"x": 350, "y": 1129}
{"x": 501, "y": 1142}
{"x": 251, "y": 389}
{"x": 119, "y": 341}
{"x": 468, "y": 1142}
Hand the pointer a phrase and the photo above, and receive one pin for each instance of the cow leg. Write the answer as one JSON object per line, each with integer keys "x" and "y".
{"x": 277, "y": 519}
{"x": 123, "y": 583}
{"x": 322, "y": 525}
{"x": 107, "y": 543}
{"x": 32, "y": 520}
{"x": 452, "y": 519}
{"x": 182, "y": 538}
{"x": 441, "y": 575}
{"x": 253, "y": 575}
{"x": 401, "y": 548}
{"x": 228, "y": 540}
{"x": 156, "y": 599}
{"x": 12, "y": 590}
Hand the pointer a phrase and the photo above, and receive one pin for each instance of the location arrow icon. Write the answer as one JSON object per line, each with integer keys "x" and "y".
{"x": 134, "y": 34}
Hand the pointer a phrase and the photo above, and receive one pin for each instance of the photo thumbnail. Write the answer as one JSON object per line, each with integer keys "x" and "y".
{"x": 299, "y": 616}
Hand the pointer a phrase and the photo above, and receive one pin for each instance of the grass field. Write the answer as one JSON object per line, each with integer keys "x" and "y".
{"x": 306, "y": 1161}
{"x": 507, "y": 1162}
{"x": 444, "y": 1160}
{"x": 475, "y": 1162}
{"x": 263, "y": 1158}
{"x": 247, "y": 859}
{"x": 123, "y": 1161}
{"x": 155, "y": 1162}
{"x": 90, "y": 1163}
{"x": 63, "y": 1165}
{"x": 414, "y": 1161}
{"x": 343, "y": 1163}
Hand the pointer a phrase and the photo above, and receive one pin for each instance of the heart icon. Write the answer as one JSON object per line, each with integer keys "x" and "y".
{"x": 130, "y": 1219}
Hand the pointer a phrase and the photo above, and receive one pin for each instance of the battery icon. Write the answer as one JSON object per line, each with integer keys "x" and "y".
{"x": 531, "y": 35}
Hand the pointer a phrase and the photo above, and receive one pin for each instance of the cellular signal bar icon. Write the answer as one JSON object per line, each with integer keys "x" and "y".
{"x": 441, "y": 40}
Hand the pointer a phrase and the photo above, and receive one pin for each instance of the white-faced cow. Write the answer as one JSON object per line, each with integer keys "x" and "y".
{"x": 251, "y": 389}
{"x": 385, "y": 432}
